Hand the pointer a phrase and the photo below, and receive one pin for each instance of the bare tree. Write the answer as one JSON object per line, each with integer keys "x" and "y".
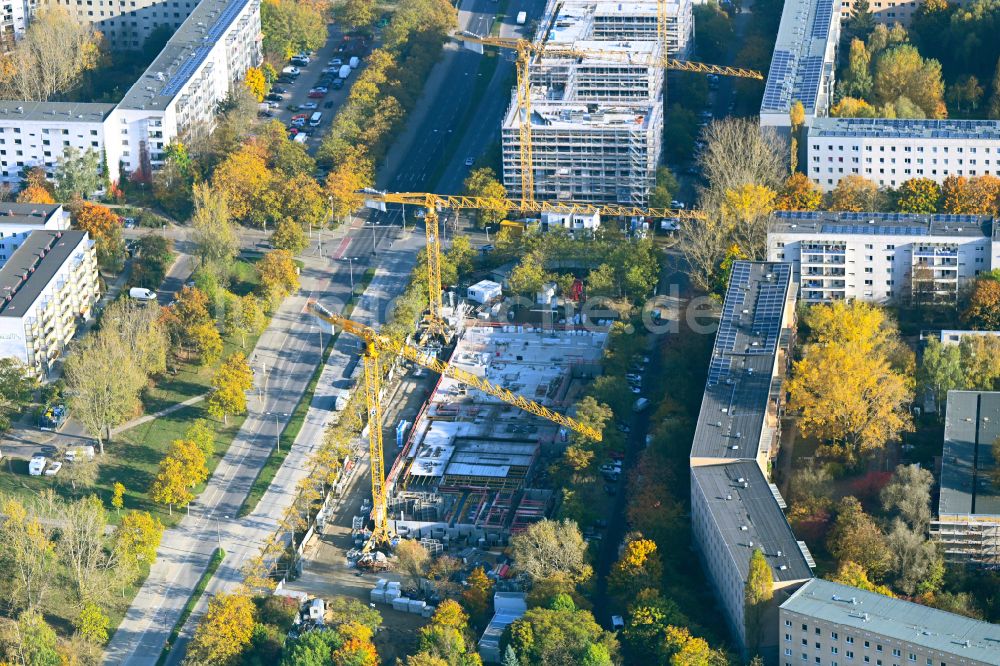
{"x": 908, "y": 495}
{"x": 549, "y": 549}
{"x": 55, "y": 51}
{"x": 81, "y": 548}
{"x": 137, "y": 328}
{"x": 739, "y": 152}
{"x": 704, "y": 243}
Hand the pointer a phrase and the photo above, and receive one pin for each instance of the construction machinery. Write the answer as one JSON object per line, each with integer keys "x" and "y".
{"x": 377, "y": 345}
{"x": 526, "y": 50}
{"x": 434, "y": 324}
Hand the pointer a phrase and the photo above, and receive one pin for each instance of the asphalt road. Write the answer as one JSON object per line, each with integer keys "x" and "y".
{"x": 284, "y": 360}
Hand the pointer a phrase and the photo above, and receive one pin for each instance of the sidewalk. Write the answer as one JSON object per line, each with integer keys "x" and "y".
{"x": 163, "y": 412}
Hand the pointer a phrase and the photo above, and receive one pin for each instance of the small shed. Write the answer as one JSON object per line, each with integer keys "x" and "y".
{"x": 484, "y": 291}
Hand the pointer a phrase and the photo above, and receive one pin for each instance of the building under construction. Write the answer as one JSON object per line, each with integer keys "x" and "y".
{"x": 470, "y": 461}
{"x": 596, "y": 122}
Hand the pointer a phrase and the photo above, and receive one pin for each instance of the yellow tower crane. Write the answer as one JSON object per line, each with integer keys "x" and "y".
{"x": 526, "y": 50}
{"x": 376, "y": 345}
{"x": 434, "y": 322}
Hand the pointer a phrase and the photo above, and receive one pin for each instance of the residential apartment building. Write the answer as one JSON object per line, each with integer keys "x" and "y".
{"x": 734, "y": 508}
{"x": 968, "y": 520}
{"x": 47, "y": 287}
{"x": 14, "y": 21}
{"x": 950, "y": 337}
{"x": 36, "y": 134}
{"x": 181, "y": 89}
{"x": 890, "y": 11}
{"x": 126, "y": 24}
{"x": 829, "y": 624}
{"x": 803, "y": 64}
{"x": 17, "y": 221}
{"x": 883, "y": 257}
{"x": 587, "y": 152}
{"x": 890, "y": 152}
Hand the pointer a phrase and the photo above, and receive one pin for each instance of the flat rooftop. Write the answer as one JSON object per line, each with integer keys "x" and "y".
{"x": 747, "y": 516}
{"x": 868, "y": 612}
{"x": 548, "y": 114}
{"x": 735, "y": 402}
{"x": 883, "y": 224}
{"x": 184, "y": 53}
{"x": 32, "y": 267}
{"x": 884, "y": 128}
{"x": 54, "y": 112}
{"x": 26, "y": 213}
{"x": 799, "y": 63}
{"x": 972, "y": 424}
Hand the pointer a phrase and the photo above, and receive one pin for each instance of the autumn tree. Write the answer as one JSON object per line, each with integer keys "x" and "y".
{"x": 866, "y": 407}
{"x": 256, "y": 83}
{"x": 206, "y": 342}
{"x": 478, "y": 596}
{"x": 245, "y": 317}
{"x": 561, "y": 636}
{"x": 92, "y": 624}
{"x": 549, "y": 549}
{"x": 918, "y": 195}
{"x": 856, "y": 194}
{"x": 983, "y": 309}
{"x": 35, "y": 194}
{"x": 354, "y": 173}
{"x": 289, "y": 28}
{"x": 223, "y": 633}
{"x": 246, "y": 182}
{"x": 105, "y": 228}
{"x": 917, "y": 565}
{"x": 278, "y": 275}
{"x": 212, "y": 231}
{"x": 27, "y": 551}
{"x": 289, "y": 235}
{"x": 231, "y": 382}
{"x": 181, "y": 469}
{"x": 412, "y": 559}
{"x": 749, "y": 207}
{"x": 853, "y": 574}
{"x": 855, "y": 537}
{"x": 51, "y": 57}
{"x": 118, "y": 496}
{"x": 484, "y": 183}
{"x": 965, "y": 93}
{"x": 901, "y": 72}
{"x": 638, "y": 567}
{"x": 757, "y": 594}
{"x": 300, "y": 197}
{"x": 857, "y": 80}
{"x": 849, "y": 107}
{"x": 134, "y": 544}
{"x": 799, "y": 193}
{"x": 980, "y": 361}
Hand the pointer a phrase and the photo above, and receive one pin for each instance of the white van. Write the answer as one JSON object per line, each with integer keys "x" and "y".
{"x": 300, "y": 138}
{"x": 37, "y": 465}
{"x": 75, "y": 453}
{"x": 354, "y": 62}
{"x": 315, "y": 119}
{"x": 141, "y": 294}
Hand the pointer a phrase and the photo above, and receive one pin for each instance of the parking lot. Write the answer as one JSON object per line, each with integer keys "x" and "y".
{"x": 296, "y": 90}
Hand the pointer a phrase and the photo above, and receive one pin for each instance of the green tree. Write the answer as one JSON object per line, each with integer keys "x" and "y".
{"x": 36, "y": 643}
{"x": 212, "y": 231}
{"x": 757, "y": 594}
{"x": 941, "y": 369}
{"x": 901, "y": 72}
{"x": 77, "y": 173}
{"x": 510, "y": 657}
{"x": 245, "y": 317}
{"x": 994, "y": 111}
{"x": 358, "y": 13}
{"x": 16, "y": 386}
{"x": 290, "y": 27}
{"x": 861, "y": 22}
{"x": 545, "y": 636}
{"x": 289, "y": 235}
{"x": 93, "y": 624}
{"x": 665, "y": 189}
{"x": 980, "y": 355}
{"x": 857, "y": 80}
{"x": 484, "y": 183}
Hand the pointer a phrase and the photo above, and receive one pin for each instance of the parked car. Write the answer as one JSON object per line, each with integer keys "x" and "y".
{"x": 274, "y": 97}
{"x": 336, "y": 62}
{"x": 316, "y": 93}
{"x": 328, "y": 105}
{"x": 53, "y": 469}
{"x": 291, "y": 71}
{"x": 308, "y": 106}
{"x": 337, "y": 84}
{"x": 279, "y": 90}
{"x": 469, "y": 161}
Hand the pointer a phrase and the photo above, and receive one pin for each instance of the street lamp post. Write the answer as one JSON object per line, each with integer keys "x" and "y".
{"x": 350, "y": 266}
{"x": 374, "y": 243}
{"x": 218, "y": 528}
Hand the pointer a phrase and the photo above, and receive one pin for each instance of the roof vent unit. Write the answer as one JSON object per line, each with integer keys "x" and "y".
{"x": 743, "y": 528}
{"x": 740, "y": 480}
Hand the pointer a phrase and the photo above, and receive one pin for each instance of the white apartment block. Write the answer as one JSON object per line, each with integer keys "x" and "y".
{"x": 592, "y": 153}
{"x": 890, "y": 152}
{"x": 890, "y": 11}
{"x": 829, "y": 624}
{"x": 14, "y": 21}
{"x": 804, "y": 61}
{"x": 883, "y": 257}
{"x": 35, "y": 134}
{"x": 17, "y": 221}
{"x": 201, "y": 63}
{"x": 47, "y": 288}
{"x": 126, "y": 24}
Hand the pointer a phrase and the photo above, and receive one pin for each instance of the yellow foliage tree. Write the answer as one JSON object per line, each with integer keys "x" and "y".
{"x": 748, "y": 208}
{"x": 856, "y": 194}
{"x": 278, "y": 275}
{"x": 224, "y": 632}
{"x": 853, "y": 574}
{"x": 799, "y": 193}
{"x": 850, "y": 107}
{"x": 231, "y": 381}
{"x": 35, "y": 194}
{"x": 355, "y": 172}
{"x": 865, "y": 408}
{"x": 256, "y": 83}
{"x": 918, "y": 195}
{"x": 245, "y": 180}
{"x": 638, "y": 568}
